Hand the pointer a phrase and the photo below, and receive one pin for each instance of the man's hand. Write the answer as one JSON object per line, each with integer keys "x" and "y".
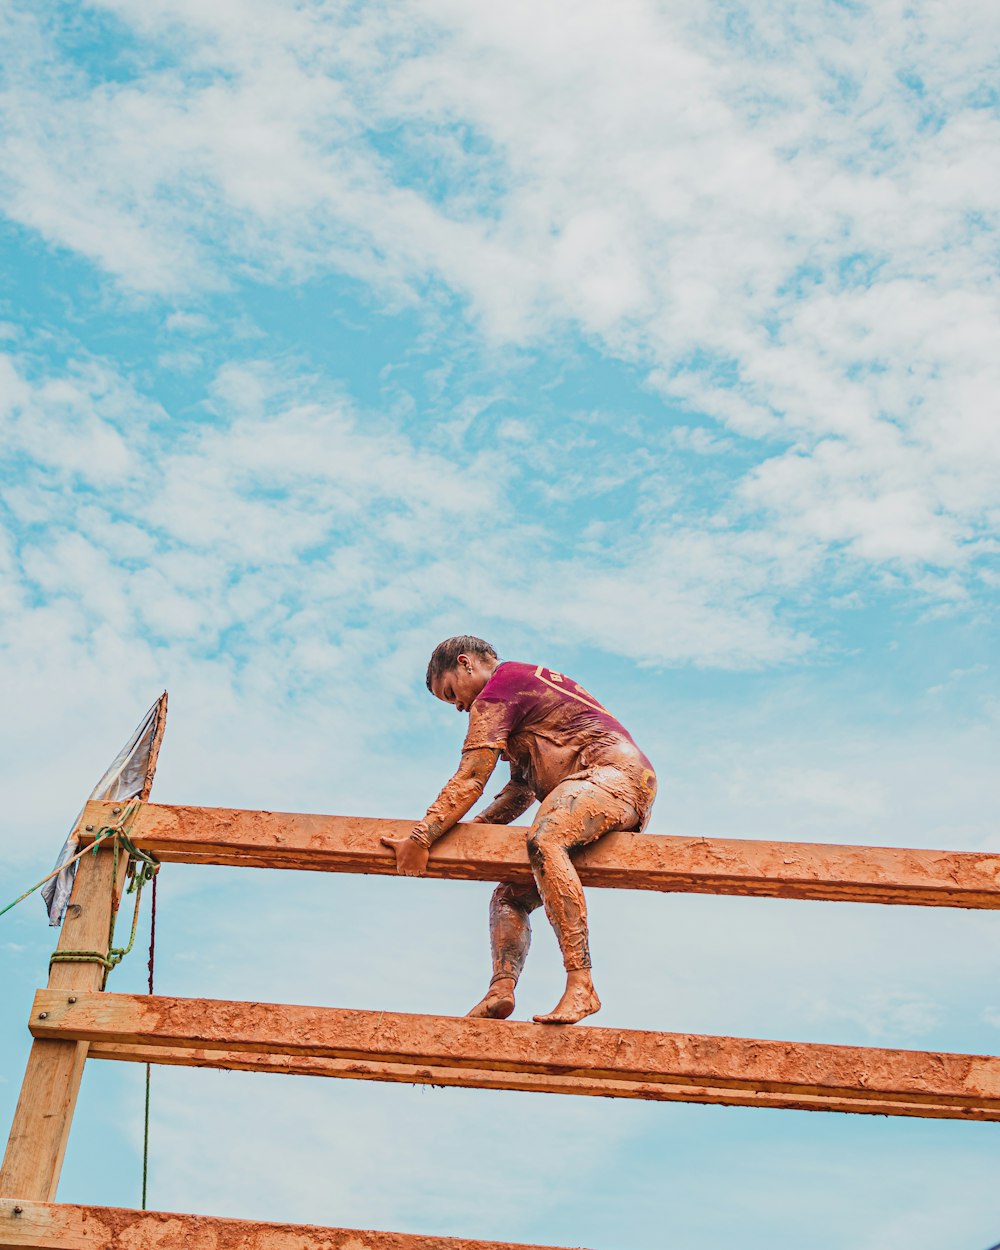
{"x": 460, "y": 793}
{"x": 411, "y": 856}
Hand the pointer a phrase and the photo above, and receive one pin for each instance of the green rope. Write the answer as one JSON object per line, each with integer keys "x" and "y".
{"x": 142, "y": 868}
{"x": 54, "y": 873}
{"x": 107, "y": 831}
{"x": 115, "y": 953}
{"x": 145, "y": 1145}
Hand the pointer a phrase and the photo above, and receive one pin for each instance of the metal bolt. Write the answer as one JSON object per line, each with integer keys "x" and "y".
{"x": 90, "y": 828}
{"x": 43, "y": 1015}
{"x": 19, "y": 1210}
{"x": 72, "y": 1000}
{"x": 116, "y": 811}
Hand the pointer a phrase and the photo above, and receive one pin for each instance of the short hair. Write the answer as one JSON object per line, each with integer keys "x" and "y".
{"x": 445, "y": 655}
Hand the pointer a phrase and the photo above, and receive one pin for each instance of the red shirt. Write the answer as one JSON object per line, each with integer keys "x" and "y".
{"x": 552, "y": 730}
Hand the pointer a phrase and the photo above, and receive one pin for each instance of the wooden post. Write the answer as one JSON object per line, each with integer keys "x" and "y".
{"x": 44, "y": 1112}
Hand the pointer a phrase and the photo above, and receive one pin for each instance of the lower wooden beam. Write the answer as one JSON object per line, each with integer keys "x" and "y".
{"x": 637, "y": 861}
{"x": 50, "y": 1226}
{"x": 512, "y": 1055}
{"x": 528, "y": 1082}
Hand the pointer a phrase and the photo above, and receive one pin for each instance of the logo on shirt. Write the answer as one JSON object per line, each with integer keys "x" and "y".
{"x": 558, "y": 681}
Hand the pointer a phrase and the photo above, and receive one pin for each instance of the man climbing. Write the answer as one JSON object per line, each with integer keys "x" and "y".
{"x": 566, "y": 751}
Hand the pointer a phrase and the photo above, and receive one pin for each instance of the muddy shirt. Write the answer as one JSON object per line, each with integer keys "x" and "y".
{"x": 552, "y": 730}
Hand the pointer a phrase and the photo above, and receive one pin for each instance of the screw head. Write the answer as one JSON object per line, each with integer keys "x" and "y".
{"x": 90, "y": 828}
{"x": 19, "y": 1210}
{"x": 72, "y": 1000}
{"x": 43, "y": 1015}
{"x": 116, "y": 811}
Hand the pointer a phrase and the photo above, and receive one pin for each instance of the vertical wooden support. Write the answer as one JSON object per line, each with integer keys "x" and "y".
{"x": 44, "y": 1112}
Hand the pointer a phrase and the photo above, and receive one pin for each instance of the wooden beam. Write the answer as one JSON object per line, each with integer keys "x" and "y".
{"x": 613, "y": 1062}
{"x": 856, "y": 874}
{"x": 45, "y": 1226}
{"x": 546, "y": 1083}
{"x": 52, "y": 1079}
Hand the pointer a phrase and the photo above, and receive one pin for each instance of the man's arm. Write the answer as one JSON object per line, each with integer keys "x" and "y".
{"x": 455, "y": 799}
{"x": 512, "y": 801}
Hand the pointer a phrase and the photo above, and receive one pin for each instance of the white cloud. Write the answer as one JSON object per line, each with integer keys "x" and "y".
{"x": 289, "y": 513}
{"x": 887, "y": 1018}
{"x": 791, "y": 232}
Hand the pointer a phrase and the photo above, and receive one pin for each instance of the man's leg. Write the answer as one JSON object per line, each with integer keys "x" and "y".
{"x": 573, "y": 815}
{"x": 510, "y": 937}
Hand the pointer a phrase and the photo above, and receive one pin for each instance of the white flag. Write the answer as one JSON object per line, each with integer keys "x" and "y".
{"x": 129, "y": 777}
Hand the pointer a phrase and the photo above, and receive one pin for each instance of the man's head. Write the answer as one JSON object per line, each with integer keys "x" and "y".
{"x": 459, "y": 668}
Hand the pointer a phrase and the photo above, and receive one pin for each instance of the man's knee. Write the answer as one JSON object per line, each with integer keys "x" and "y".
{"x": 538, "y": 845}
{"x": 550, "y": 837}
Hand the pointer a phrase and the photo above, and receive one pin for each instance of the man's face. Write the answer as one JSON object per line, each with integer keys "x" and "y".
{"x": 460, "y": 685}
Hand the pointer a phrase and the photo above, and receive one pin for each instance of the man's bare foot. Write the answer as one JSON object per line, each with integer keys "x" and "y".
{"x": 498, "y": 1003}
{"x": 579, "y": 1000}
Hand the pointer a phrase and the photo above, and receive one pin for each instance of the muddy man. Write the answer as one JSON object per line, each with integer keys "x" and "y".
{"x": 566, "y": 751}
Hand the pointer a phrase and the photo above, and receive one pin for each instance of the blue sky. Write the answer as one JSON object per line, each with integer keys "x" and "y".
{"x": 660, "y": 343}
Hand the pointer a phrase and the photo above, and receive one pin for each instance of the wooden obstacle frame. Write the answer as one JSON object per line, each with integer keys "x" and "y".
{"x": 73, "y": 1019}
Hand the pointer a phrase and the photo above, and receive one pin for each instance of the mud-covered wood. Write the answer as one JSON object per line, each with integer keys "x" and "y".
{"x": 511, "y": 1055}
{"x": 856, "y": 874}
{"x": 51, "y": 1226}
{"x": 545, "y": 1083}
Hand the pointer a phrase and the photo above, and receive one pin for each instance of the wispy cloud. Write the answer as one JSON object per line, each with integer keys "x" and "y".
{"x": 787, "y": 222}
{"x": 195, "y": 534}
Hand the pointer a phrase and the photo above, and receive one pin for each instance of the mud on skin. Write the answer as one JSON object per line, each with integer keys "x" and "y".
{"x": 565, "y": 750}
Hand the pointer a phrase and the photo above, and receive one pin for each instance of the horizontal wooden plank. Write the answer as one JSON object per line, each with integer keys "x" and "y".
{"x": 58, "y": 1226}
{"x": 858, "y": 874}
{"x": 681, "y": 1067}
{"x": 527, "y": 1082}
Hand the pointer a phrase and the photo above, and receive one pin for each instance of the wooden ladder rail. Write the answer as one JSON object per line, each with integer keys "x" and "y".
{"x": 447, "y": 1050}
{"x": 471, "y": 852}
